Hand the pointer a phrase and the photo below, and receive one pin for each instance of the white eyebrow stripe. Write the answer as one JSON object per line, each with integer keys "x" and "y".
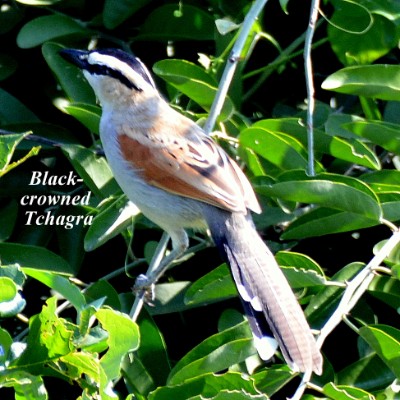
{"x": 114, "y": 63}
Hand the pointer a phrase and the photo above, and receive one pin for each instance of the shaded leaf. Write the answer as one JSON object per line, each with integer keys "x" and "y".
{"x": 216, "y": 285}
{"x": 115, "y": 12}
{"x": 48, "y": 27}
{"x": 173, "y": 22}
{"x": 60, "y": 284}
{"x": 114, "y": 217}
{"x": 194, "y": 82}
{"x": 33, "y": 257}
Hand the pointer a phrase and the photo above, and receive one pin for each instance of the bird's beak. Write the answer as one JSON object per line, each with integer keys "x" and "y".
{"x": 75, "y": 57}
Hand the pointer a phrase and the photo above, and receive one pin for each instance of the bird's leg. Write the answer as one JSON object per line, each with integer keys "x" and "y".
{"x": 144, "y": 284}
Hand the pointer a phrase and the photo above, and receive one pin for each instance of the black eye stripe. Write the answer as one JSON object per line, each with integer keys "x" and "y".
{"x": 128, "y": 59}
{"x": 114, "y": 73}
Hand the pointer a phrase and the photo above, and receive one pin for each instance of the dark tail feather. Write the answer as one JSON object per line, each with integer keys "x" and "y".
{"x": 265, "y": 290}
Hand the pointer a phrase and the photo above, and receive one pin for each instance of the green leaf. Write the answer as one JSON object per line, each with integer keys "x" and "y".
{"x": 343, "y": 392}
{"x": 26, "y": 385}
{"x": 48, "y": 27}
{"x": 194, "y": 82}
{"x": 352, "y": 151}
{"x": 323, "y": 221}
{"x": 227, "y": 386}
{"x": 142, "y": 374}
{"x": 8, "y": 216}
{"x": 10, "y": 16}
{"x": 359, "y": 37}
{"x": 270, "y": 380}
{"x": 366, "y": 373}
{"x": 300, "y": 270}
{"x": 12, "y": 111}
{"x": 280, "y": 149}
{"x": 376, "y": 81}
{"x": 5, "y": 346}
{"x": 114, "y": 217}
{"x": 115, "y": 12}
{"x": 70, "y": 77}
{"x": 103, "y": 289}
{"x": 123, "y": 338}
{"x": 50, "y": 337}
{"x": 60, "y": 284}
{"x": 173, "y": 22}
{"x": 8, "y": 66}
{"x": 170, "y": 298}
{"x": 385, "y": 341}
{"x": 11, "y": 302}
{"x": 215, "y": 354}
{"x": 216, "y": 285}
{"x": 325, "y": 302}
{"x": 384, "y": 134}
{"x": 8, "y": 289}
{"x": 93, "y": 169}
{"x": 33, "y": 257}
{"x": 328, "y": 190}
{"x": 87, "y": 114}
{"x": 13, "y": 272}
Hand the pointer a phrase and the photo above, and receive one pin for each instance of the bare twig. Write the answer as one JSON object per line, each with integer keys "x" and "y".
{"x": 310, "y": 84}
{"x": 231, "y": 65}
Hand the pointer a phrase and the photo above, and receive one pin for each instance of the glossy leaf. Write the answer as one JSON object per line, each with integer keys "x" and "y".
{"x": 301, "y": 271}
{"x": 69, "y": 76}
{"x": 381, "y": 133}
{"x": 385, "y": 340}
{"x": 280, "y": 149}
{"x": 93, "y": 169}
{"x": 328, "y": 190}
{"x": 210, "y": 386}
{"x": 33, "y": 257}
{"x": 48, "y": 27}
{"x": 359, "y": 37}
{"x": 193, "y": 81}
{"x": 60, "y": 284}
{"x": 376, "y": 81}
{"x": 114, "y": 217}
{"x": 348, "y": 150}
{"x": 343, "y": 392}
{"x": 214, "y": 354}
{"x": 367, "y": 373}
{"x": 217, "y": 285}
{"x": 89, "y": 115}
{"x": 324, "y": 221}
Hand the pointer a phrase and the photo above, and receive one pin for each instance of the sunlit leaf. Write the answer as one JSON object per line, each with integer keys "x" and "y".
{"x": 376, "y": 81}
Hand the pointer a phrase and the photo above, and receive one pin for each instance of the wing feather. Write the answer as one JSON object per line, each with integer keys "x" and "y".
{"x": 192, "y": 166}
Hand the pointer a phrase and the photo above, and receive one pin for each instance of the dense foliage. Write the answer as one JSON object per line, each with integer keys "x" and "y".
{"x": 71, "y": 245}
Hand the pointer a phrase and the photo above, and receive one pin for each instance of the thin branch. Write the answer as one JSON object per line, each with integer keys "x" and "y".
{"x": 357, "y": 287}
{"x": 231, "y": 65}
{"x": 310, "y": 84}
{"x": 158, "y": 256}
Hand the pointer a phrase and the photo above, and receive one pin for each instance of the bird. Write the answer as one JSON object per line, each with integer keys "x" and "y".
{"x": 180, "y": 179}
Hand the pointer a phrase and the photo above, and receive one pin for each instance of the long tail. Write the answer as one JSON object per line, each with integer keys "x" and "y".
{"x": 264, "y": 290}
